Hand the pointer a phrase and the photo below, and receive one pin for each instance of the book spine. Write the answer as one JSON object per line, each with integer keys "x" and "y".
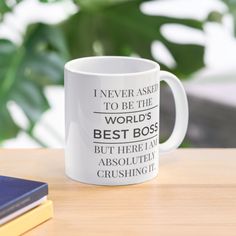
{"x": 25, "y": 200}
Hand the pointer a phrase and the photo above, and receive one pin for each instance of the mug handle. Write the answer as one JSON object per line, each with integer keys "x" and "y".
{"x": 181, "y": 111}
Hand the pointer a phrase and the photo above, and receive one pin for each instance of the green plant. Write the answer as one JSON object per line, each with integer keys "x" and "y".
{"x": 232, "y": 11}
{"x": 101, "y": 27}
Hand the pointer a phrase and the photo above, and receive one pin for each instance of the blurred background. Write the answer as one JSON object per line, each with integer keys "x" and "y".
{"x": 195, "y": 39}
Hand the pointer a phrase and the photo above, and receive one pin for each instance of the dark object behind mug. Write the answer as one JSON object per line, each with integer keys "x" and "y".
{"x": 211, "y": 124}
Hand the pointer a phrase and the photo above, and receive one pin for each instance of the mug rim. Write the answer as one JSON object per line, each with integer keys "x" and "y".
{"x": 155, "y": 66}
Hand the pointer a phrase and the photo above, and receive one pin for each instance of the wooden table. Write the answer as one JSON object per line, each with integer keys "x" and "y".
{"x": 194, "y": 194}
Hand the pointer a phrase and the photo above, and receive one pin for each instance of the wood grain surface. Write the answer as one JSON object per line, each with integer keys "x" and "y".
{"x": 194, "y": 194}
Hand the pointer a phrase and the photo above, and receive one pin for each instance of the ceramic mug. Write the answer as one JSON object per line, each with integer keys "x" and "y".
{"x": 112, "y": 119}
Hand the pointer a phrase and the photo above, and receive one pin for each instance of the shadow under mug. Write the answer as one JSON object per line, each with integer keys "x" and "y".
{"x": 112, "y": 119}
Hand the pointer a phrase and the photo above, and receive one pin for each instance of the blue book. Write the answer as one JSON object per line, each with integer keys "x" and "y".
{"x": 16, "y": 194}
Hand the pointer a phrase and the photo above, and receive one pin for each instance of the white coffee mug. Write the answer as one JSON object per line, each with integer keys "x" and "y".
{"x": 112, "y": 119}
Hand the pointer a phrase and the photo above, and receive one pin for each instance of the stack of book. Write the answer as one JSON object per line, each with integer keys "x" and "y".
{"x": 23, "y": 205}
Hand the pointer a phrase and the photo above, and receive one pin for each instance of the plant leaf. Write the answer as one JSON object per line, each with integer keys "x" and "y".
{"x": 7, "y": 6}
{"x": 122, "y": 29}
{"x": 98, "y": 4}
{"x": 8, "y": 128}
{"x": 26, "y": 70}
{"x": 232, "y": 10}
